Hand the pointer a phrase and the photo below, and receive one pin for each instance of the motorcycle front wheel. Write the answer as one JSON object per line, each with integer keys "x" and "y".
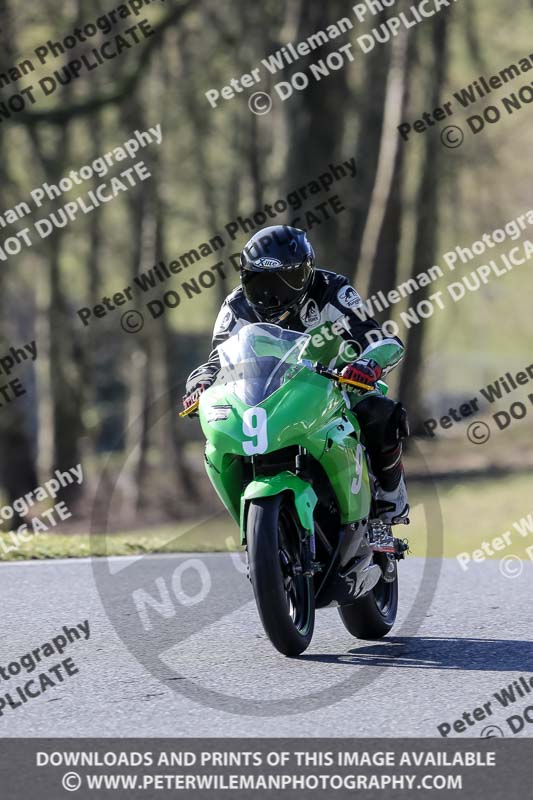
{"x": 285, "y": 599}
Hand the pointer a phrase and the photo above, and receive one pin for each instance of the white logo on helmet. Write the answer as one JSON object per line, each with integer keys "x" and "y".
{"x": 348, "y": 297}
{"x": 268, "y": 262}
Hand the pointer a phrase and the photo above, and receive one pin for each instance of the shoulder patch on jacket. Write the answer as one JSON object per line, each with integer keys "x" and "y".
{"x": 224, "y": 319}
{"x": 348, "y": 297}
{"x": 310, "y": 314}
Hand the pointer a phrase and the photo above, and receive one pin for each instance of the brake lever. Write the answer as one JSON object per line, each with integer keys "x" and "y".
{"x": 335, "y": 376}
{"x": 327, "y": 373}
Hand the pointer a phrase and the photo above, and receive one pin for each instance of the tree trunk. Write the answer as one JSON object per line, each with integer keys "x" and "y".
{"x": 370, "y": 115}
{"x": 65, "y": 354}
{"x": 427, "y": 216}
{"x": 316, "y": 123}
{"x": 381, "y": 241}
{"x": 18, "y": 461}
{"x": 199, "y": 114}
{"x": 65, "y": 384}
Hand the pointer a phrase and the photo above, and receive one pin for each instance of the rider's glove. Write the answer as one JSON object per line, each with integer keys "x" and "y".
{"x": 364, "y": 370}
{"x": 191, "y": 397}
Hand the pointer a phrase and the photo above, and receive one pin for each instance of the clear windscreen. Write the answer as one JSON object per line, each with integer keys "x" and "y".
{"x": 259, "y": 359}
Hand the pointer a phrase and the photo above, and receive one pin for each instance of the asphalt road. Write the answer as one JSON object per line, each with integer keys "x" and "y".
{"x": 208, "y": 670}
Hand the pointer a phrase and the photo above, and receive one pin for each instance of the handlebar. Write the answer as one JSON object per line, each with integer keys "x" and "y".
{"x": 318, "y": 368}
{"x": 190, "y": 410}
{"x": 335, "y": 376}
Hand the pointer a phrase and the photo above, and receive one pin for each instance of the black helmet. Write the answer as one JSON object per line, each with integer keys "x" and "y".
{"x": 277, "y": 267}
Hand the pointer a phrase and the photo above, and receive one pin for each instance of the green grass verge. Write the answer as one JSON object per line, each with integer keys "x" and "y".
{"x": 183, "y": 537}
{"x": 473, "y": 512}
{"x": 477, "y": 511}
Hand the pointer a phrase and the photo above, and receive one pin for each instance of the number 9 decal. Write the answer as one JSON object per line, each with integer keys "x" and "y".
{"x": 358, "y": 480}
{"x": 254, "y": 426}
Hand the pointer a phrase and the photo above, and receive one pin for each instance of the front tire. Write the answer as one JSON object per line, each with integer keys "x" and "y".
{"x": 285, "y": 601}
{"x": 372, "y": 616}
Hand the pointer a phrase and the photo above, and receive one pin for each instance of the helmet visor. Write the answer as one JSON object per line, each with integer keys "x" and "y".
{"x": 276, "y": 289}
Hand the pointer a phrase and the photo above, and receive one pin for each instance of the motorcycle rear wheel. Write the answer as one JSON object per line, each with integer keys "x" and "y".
{"x": 372, "y": 616}
{"x": 285, "y": 601}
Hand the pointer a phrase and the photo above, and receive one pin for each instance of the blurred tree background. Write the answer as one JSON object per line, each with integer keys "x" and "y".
{"x": 107, "y": 398}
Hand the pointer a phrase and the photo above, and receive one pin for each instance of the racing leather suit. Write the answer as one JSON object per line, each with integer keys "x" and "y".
{"x": 333, "y": 307}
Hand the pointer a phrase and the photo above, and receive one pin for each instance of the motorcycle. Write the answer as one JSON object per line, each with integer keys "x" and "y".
{"x": 284, "y": 454}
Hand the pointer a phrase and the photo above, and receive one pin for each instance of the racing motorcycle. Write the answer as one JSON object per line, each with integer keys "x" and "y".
{"x": 284, "y": 454}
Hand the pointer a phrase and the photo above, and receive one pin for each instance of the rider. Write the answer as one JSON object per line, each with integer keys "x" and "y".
{"x": 280, "y": 285}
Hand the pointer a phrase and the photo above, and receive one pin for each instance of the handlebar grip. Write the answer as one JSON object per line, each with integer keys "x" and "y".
{"x": 356, "y": 384}
{"x": 190, "y": 410}
{"x": 334, "y": 376}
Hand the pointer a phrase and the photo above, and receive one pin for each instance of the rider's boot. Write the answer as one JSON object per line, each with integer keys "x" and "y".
{"x": 384, "y": 426}
{"x": 391, "y": 503}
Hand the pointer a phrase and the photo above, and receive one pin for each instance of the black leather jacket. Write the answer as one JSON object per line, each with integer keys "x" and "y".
{"x": 331, "y": 300}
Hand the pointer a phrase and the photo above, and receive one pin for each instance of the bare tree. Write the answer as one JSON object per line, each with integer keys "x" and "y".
{"x": 427, "y": 224}
{"x": 381, "y": 240}
{"x": 316, "y": 120}
{"x": 18, "y": 456}
{"x": 369, "y": 109}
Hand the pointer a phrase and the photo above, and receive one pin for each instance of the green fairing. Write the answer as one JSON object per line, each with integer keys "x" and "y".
{"x": 305, "y": 498}
{"x": 325, "y": 345}
{"x": 307, "y": 410}
{"x": 387, "y": 355}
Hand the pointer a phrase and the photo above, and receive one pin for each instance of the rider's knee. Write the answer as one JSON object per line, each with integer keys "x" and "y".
{"x": 383, "y": 421}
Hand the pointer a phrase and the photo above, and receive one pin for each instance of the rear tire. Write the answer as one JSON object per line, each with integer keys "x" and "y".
{"x": 372, "y": 616}
{"x": 286, "y": 603}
